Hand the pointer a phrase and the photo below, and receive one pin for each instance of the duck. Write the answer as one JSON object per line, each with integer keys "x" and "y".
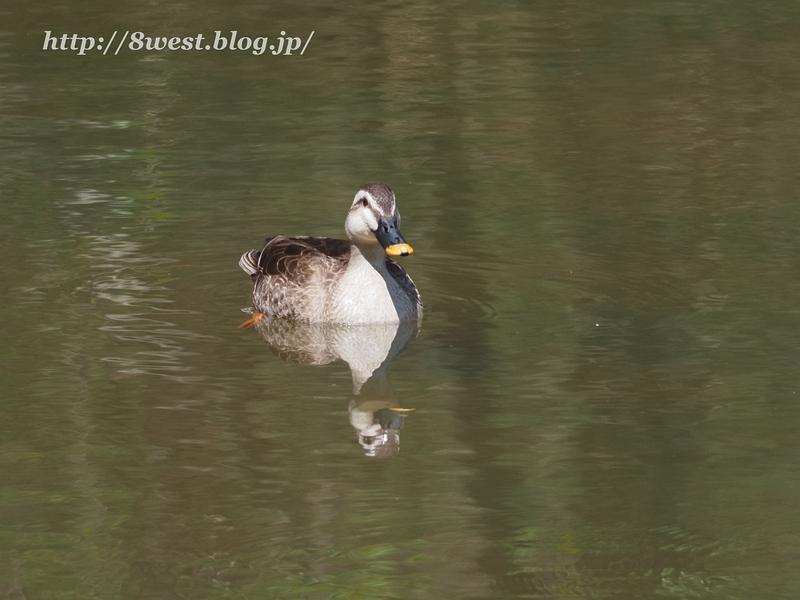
{"x": 325, "y": 280}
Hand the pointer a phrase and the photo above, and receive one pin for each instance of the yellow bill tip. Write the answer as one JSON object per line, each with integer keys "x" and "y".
{"x": 399, "y": 250}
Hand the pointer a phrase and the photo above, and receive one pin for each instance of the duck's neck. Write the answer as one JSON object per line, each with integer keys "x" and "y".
{"x": 373, "y": 254}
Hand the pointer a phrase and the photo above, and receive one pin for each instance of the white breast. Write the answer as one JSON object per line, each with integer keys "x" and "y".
{"x": 366, "y": 293}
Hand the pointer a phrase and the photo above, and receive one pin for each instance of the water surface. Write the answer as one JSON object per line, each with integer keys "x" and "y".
{"x": 603, "y": 203}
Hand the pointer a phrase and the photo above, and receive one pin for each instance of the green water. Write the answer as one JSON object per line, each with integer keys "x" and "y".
{"x": 603, "y": 203}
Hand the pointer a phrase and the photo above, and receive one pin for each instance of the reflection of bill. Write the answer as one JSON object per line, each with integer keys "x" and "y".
{"x": 367, "y": 349}
{"x": 378, "y": 424}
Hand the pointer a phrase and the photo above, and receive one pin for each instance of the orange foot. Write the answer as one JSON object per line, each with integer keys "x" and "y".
{"x": 257, "y": 316}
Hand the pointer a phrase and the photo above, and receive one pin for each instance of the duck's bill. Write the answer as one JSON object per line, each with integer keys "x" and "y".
{"x": 389, "y": 236}
{"x": 399, "y": 250}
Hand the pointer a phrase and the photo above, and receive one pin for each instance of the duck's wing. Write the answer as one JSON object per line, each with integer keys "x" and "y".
{"x": 291, "y": 258}
{"x": 293, "y": 276}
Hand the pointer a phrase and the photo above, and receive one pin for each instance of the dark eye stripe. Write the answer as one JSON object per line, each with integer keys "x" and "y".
{"x": 378, "y": 206}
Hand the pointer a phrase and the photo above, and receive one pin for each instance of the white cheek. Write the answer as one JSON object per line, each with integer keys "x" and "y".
{"x": 369, "y": 219}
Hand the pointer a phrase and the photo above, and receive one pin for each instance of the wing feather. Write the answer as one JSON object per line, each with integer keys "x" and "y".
{"x": 292, "y": 275}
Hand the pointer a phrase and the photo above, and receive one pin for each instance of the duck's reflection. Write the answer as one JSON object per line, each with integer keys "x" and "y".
{"x": 368, "y": 349}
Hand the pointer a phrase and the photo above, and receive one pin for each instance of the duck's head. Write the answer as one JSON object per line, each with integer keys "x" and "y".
{"x": 373, "y": 218}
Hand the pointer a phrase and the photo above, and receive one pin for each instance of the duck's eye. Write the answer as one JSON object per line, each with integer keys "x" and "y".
{"x": 364, "y": 202}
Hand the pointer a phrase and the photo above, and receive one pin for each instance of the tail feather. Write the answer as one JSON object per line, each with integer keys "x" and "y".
{"x": 249, "y": 262}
